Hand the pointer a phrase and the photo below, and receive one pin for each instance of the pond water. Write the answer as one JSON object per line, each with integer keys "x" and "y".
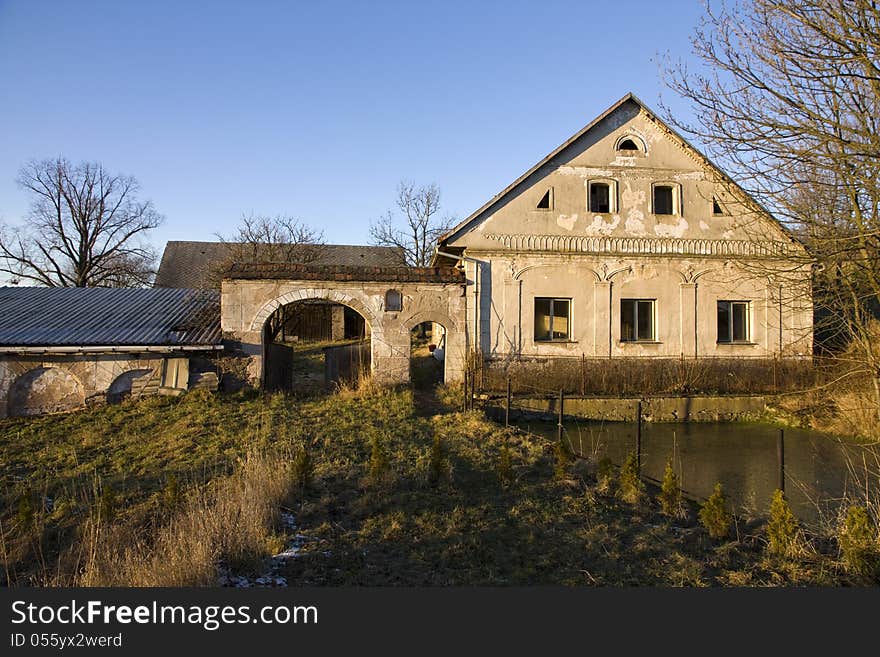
{"x": 820, "y": 470}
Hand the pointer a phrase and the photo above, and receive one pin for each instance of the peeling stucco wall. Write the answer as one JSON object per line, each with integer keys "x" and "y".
{"x": 661, "y": 160}
{"x": 32, "y": 385}
{"x": 686, "y": 261}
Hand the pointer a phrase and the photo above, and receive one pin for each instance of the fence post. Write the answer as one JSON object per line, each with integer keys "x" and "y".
{"x": 639, "y": 435}
{"x": 780, "y": 458}
{"x": 464, "y": 391}
{"x": 507, "y": 407}
{"x": 583, "y": 375}
{"x": 473, "y": 385}
{"x": 559, "y": 423}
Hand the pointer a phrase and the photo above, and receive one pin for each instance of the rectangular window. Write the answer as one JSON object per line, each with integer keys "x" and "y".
{"x": 600, "y": 197}
{"x": 552, "y": 319}
{"x": 637, "y": 320}
{"x": 733, "y": 321}
{"x": 663, "y": 199}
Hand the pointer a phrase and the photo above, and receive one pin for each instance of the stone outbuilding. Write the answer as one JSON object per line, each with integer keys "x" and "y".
{"x": 62, "y": 348}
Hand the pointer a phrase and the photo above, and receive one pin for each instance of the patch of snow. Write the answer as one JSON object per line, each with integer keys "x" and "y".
{"x": 271, "y": 578}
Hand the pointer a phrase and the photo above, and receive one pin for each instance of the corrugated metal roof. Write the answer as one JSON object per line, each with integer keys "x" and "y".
{"x": 70, "y": 316}
{"x": 200, "y": 264}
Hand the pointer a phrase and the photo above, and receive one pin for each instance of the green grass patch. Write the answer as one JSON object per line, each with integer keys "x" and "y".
{"x": 385, "y": 493}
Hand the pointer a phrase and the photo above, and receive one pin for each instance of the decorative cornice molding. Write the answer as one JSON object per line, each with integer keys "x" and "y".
{"x": 641, "y": 245}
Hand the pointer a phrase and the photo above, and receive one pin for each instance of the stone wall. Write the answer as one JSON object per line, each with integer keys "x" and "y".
{"x": 43, "y": 383}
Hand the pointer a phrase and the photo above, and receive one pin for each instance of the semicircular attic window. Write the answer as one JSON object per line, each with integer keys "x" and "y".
{"x": 628, "y": 147}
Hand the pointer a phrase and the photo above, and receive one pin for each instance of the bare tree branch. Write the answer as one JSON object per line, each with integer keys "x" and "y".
{"x": 787, "y": 99}
{"x": 416, "y": 232}
{"x": 83, "y": 229}
{"x": 261, "y": 238}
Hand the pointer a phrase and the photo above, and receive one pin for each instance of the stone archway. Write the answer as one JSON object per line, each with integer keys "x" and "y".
{"x": 122, "y": 385}
{"x": 279, "y": 361}
{"x": 253, "y": 292}
{"x": 455, "y": 349}
{"x": 358, "y": 305}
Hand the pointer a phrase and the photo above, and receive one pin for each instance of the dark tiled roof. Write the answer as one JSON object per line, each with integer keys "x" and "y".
{"x": 310, "y": 272}
{"x": 197, "y": 264}
{"x": 71, "y": 316}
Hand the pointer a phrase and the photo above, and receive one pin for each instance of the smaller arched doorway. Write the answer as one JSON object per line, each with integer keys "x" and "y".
{"x": 428, "y": 353}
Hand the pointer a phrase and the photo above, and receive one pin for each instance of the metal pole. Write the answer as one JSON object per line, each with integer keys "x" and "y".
{"x": 559, "y": 424}
{"x": 639, "y": 435}
{"x": 780, "y": 457}
{"x": 473, "y": 384}
{"x": 464, "y": 390}
{"x": 507, "y": 408}
{"x": 583, "y": 374}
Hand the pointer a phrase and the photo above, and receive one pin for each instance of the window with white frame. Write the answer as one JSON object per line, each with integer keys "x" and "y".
{"x": 552, "y": 319}
{"x": 666, "y": 199}
{"x": 602, "y": 196}
{"x": 637, "y": 320}
{"x": 733, "y": 321}
{"x": 630, "y": 146}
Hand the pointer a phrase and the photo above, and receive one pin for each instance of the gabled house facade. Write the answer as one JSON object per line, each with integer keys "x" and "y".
{"x": 626, "y": 241}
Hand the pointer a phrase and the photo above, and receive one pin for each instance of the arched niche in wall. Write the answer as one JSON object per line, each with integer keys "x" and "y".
{"x": 45, "y": 390}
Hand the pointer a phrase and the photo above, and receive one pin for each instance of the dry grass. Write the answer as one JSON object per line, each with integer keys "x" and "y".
{"x": 232, "y": 520}
{"x": 626, "y": 377}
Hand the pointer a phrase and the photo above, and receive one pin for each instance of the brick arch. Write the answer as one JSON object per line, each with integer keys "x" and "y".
{"x": 358, "y": 305}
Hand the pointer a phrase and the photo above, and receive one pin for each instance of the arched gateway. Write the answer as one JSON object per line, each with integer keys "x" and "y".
{"x": 390, "y": 299}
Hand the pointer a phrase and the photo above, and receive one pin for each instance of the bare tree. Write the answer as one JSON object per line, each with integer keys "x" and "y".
{"x": 282, "y": 238}
{"x": 84, "y": 228}
{"x": 417, "y": 231}
{"x": 787, "y": 99}
{"x": 262, "y": 238}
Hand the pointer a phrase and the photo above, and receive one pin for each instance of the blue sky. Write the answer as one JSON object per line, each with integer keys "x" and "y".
{"x": 316, "y": 109}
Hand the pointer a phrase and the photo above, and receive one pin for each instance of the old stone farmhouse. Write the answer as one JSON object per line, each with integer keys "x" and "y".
{"x": 623, "y": 242}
